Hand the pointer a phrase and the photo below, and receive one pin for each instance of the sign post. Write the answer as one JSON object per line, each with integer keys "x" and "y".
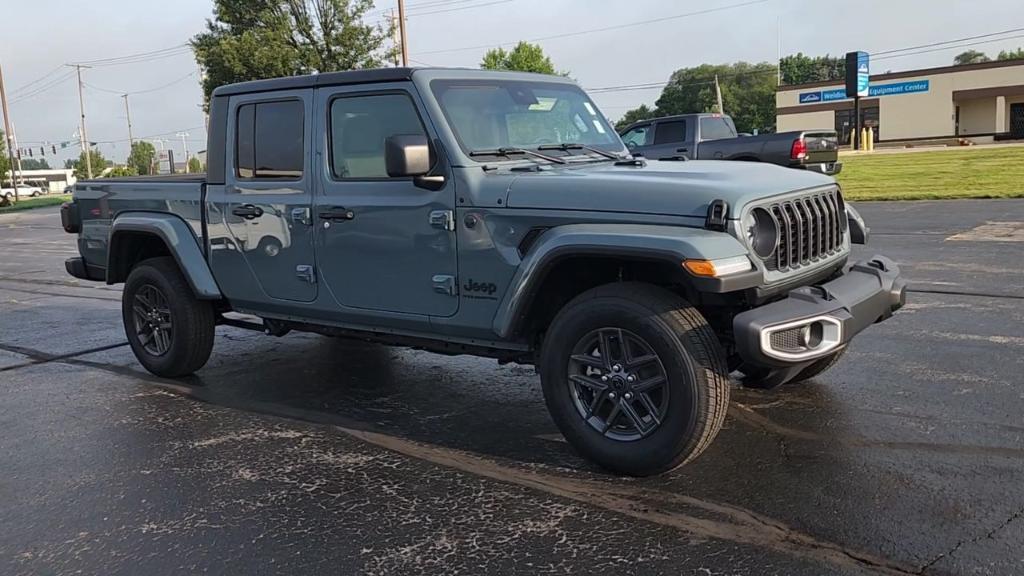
{"x": 858, "y": 76}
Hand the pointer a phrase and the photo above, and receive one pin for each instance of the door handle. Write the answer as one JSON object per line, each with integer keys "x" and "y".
{"x": 247, "y": 211}
{"x": 682, "y": 149}
{"x": 336, "y": 214}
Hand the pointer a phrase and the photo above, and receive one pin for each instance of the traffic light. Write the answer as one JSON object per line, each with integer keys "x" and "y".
{"x": 29, "y": 152}
{"x": 53, "y": 148}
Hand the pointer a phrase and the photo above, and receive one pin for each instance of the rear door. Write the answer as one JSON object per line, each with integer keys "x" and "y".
{"x": 260, "y": 228}
{"x": 383, "y": 244}
{"x": 670, "y": 140}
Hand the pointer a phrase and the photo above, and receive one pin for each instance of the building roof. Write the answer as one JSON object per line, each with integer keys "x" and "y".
{"x": 911, "y": 73}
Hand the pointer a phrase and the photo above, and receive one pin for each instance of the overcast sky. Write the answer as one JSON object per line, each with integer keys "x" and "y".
{"x": 49, "y": 33}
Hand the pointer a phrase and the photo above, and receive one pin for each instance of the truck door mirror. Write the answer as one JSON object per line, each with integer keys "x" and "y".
{"x": 407, "y": 155}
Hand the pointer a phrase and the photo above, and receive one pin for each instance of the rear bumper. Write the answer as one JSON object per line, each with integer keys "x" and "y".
{"x": 815, "y": 321}
{"x": 78, "y": 268}
{"x": 826, "y": 168}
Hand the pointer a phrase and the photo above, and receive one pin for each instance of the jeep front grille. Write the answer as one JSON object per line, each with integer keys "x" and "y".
{"x": 811, "y": 228}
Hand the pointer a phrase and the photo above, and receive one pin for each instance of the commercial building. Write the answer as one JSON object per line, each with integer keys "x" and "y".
{"x": 51, "y": 180}
{"x": 979, "y": 102}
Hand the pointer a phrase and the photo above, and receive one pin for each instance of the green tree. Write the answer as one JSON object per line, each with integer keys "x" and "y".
{"x": 141, "y": 157}
{"x": 1010, "y": 54}
{"x": 748, "y": 93}
{"x": 970, "y": 57}
{"x": 524, "y": 57}
{"x": 253, "y": 39}
{"x": 642, "y": 112}
{"x": 121, "y": 172}
{"x": 800, "y": 69}
{"x": 96, "y": 160}
{"x": 34, "y": 164}
{"x": 194, "y": 165}
{"x": 5, "y": 161}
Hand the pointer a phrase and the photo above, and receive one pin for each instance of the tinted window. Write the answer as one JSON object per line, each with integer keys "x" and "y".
{"x": 712, "y": 128}
{"x": 359, "y": 127}
{"x": 670, "y": 132}
{"x": 269, "y": 140}
{"x": 639, "y": 136}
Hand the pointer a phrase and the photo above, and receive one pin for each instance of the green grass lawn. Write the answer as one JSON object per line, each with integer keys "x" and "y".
{"x": 29, "y": 203}
{"x": 956, "y": 173}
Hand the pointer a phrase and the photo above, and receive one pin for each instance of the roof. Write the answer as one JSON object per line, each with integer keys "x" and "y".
{"x": 369, "y": 76}
{"x": 911, "y": 73}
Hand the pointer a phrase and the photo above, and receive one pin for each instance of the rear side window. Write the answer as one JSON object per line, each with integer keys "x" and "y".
{"x": 712, "y": 128}
{"x": 670, "y": 132}
{"x": 269, "y": 140}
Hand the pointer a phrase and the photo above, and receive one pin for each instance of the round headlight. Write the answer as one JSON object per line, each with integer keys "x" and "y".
{"x": 762, "y": 232}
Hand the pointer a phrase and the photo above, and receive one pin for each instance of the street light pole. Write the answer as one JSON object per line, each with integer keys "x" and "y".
{"x": 81, "y": 132}
{"x": 401, "y": 26}
{"x": 184, "y": 146}
{"x": 128, "y": 112}
{"x": 8, "y": 134}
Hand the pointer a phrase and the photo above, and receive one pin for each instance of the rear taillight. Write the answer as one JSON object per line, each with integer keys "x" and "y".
{"x": 799, "y": 149}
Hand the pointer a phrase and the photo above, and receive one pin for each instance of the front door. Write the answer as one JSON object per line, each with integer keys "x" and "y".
{"x": 383, "y": 243}
{"x": 1017, "y": 120}
{"x": 260, "y": 223}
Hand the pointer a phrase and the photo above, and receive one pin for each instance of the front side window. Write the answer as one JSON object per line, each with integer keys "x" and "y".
{"x": 494, "y": 114}
{"x": 670, "y": 132}
{"x": 639, "y": 136}
{"x": 360, "y": 125}
{"x": 716, "y": 128}
{"x": 269, "y": 140}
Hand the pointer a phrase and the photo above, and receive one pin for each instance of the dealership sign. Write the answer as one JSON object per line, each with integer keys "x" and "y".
{"x": 913, "y": 87}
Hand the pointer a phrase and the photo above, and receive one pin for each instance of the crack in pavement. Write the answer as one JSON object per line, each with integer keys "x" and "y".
{"x": 1016, "y": 515}
{"x": 37, "y": 357}
{"x": 116, "y": 298}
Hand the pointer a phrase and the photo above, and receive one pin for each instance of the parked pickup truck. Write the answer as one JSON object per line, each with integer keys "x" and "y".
{"x": 496, "y": 214}
{"x": 714, "y": 137}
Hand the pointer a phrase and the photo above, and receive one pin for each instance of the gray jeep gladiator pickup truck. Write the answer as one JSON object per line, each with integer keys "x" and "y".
{"x": 495, "y": 214}
{"x": 713, "y": 137}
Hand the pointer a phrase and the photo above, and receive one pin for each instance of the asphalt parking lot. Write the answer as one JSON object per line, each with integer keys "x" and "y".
{"x": 311, "y": 455}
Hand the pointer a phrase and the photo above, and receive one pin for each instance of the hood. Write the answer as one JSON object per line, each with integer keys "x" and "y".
{"x": 670, "y": 187}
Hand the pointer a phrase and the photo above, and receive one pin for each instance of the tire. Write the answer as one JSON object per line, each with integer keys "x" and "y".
{"x": 678, "y": 419}
{"x": 767, "y": 379}
{"x": 185, "y": 339}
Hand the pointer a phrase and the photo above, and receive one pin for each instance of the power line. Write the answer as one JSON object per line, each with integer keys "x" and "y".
{"x": 137, "y": 92}
{"x": 37, "y": 80}
{"x": 40, "y": 89}
{"x": 152, "y": 54}
{"x": 948, "y": 47}
{"x": 604, "y": 29}
{"x": 873, "y": 54}
{"x": 460, "y": 8}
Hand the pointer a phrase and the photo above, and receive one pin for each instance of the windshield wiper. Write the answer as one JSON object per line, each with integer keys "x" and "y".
{"x": 506, "y": 151}
{"x": 577, "y": 146}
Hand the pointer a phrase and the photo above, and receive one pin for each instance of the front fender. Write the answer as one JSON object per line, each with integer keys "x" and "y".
{"x": 639, "y": 241}
{"x": 180, "y": 241}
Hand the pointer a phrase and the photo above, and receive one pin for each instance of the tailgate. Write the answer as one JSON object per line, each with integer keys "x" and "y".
{"x": 822, "y": 146}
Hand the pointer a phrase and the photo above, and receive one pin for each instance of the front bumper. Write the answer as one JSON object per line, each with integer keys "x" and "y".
{"x": 815, "y": 321}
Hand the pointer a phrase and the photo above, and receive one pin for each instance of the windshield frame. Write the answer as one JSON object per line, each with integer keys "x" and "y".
{"x": 438, "y": 86}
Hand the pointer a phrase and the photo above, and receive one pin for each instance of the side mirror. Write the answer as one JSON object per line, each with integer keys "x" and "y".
{"x": 407, "y": 155}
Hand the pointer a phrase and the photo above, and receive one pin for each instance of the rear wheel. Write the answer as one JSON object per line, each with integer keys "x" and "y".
{"x": 169, "y": 330}
{"x": 634, "y": 378}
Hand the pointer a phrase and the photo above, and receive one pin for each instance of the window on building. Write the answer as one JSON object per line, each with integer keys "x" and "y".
{"x": 269, "y": 140}
{"x": 359, "y": 127}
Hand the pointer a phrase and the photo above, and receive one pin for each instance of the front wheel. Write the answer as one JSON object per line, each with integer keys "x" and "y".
{"x": 170, "y": 331}
{"x": 635, "y": 378}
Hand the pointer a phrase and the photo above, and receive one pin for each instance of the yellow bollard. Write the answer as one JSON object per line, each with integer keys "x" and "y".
{"x": 871, "y": 140}
{"x": 863, "y": 138}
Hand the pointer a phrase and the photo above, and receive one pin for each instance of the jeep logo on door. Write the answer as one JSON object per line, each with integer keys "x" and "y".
{"x": 482, "y": 289}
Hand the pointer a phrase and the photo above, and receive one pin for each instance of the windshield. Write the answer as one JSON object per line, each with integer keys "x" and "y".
{"x": 500, "y": 114}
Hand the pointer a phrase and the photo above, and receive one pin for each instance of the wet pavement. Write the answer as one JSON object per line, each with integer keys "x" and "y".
{"x": 306, "y": 454}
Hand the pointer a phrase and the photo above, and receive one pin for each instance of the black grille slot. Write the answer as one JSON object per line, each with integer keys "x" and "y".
{"x": 810, "y": 229}
{"x": 787, "y": 340}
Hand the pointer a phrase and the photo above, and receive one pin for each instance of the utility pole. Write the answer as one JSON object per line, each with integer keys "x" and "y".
{"x": 395, "y": 36}
{"x": 401, "y": 27}
{"x": 9, "y": 134}
{"x": 81, "y": 131}
{"x": 184, "y": 146}
{"x": 128, "y": 112}
{"x": 718, "y": 96}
